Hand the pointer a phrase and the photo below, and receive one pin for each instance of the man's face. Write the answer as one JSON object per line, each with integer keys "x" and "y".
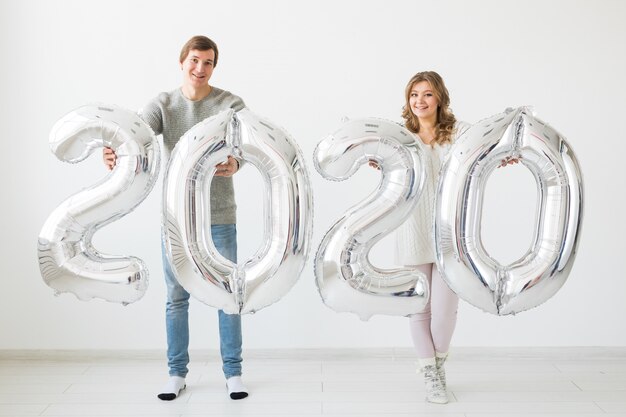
{"x": 198, "y": 67}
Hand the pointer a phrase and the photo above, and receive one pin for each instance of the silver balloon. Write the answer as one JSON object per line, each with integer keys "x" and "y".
{"x": 67, "y": 259}
{"x": 198, "y": 266}
{"x": 539, "y": 273}
{"x": 346, "y": 279}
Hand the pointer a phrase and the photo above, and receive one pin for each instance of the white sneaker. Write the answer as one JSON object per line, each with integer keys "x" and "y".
{"x": 172, "y": 388}
{"x": 439, "y": 362}
{"x": 236, "y": 389}
{"x": 435, "y": 391}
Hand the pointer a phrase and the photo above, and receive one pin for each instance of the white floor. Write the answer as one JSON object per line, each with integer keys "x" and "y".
{"x": 580, "y": 382}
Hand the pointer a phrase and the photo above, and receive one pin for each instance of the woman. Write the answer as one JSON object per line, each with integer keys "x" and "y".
{"x": 428, "y": 116}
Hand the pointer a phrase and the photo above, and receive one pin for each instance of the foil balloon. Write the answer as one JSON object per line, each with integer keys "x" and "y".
{"x": 539, "y": 273}
{"x": 67, "y": 259}
{"x": 346, "y": 279}
{"x": 199, "y": 267}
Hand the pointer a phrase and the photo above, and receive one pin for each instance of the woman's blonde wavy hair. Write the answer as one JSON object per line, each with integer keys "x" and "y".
{"x": 444, "y": 128}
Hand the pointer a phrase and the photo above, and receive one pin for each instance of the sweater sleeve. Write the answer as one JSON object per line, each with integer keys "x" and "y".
{"x": 152, "y": 114}
{"x": 237, "y": 103}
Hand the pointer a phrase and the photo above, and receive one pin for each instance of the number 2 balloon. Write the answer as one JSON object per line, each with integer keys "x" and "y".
{"x": 67, "y": 259}
{"x": 346, "y": 280}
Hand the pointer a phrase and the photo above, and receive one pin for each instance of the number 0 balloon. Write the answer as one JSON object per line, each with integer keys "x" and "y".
{"x": 346, "y": 280}
{"x": 538, "y": 274}
{"x": 199, "y": 267}
{"x": 67, "y": 259}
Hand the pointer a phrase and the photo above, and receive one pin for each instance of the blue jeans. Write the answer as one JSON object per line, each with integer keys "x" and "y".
{"x": 177, "y": 309}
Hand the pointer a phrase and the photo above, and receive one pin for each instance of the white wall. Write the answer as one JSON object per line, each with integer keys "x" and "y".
{"x": 305, "y": 65}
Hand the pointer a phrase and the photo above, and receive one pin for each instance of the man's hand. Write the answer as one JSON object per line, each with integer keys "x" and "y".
{"x": 109, "y": 157}
{"x": 228, "y": 168}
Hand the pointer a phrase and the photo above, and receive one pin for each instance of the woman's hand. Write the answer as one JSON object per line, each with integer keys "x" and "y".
{"x": 374, "y": 164}
{"x": 109, "y": 157}
{"x": 228, "y": 168}
{"x": 508, "y": 161}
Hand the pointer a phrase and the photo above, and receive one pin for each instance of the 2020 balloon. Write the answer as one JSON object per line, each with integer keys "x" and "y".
{"x": 67, "y": 259}
{"x": 346, "y": 279}
{"x": 199, "y": 268}
{"x": 465, "y": 264}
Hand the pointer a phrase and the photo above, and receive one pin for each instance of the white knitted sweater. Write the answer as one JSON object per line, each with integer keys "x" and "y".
{"x": 415, "y": 242}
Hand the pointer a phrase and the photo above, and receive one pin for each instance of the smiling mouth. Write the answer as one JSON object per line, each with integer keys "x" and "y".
{"x": 198, "y": 76}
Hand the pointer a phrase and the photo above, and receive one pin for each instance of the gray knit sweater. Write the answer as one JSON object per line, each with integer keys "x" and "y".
{"x": 171, "y": 114}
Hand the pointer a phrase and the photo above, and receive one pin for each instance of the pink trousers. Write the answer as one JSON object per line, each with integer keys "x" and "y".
{"x": 432, "y": 329}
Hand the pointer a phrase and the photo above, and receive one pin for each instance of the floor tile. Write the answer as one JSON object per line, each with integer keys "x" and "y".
{"x": 524, "y": 382}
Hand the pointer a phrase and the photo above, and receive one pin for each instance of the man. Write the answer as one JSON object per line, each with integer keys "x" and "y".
{"x": 171, "y": 114}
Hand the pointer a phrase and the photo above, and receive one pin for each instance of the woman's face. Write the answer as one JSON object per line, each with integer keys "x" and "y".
{"x": 423, "y": 101}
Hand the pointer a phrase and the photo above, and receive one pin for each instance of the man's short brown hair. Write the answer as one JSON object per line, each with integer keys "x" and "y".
{"x": 199, "y": 43}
